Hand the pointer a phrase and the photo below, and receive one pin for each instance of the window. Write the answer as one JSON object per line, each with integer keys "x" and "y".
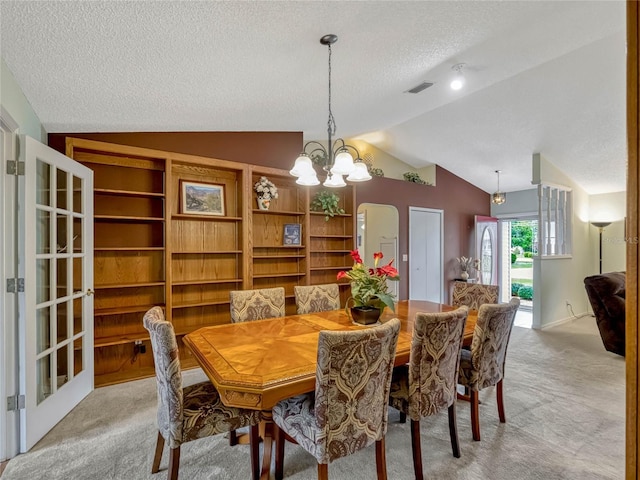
{"x": 554, "y": 220}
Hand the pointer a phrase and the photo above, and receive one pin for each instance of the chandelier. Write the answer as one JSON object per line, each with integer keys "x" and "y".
{"x": 335, "y": 159}
{"x": 498, "y": 197}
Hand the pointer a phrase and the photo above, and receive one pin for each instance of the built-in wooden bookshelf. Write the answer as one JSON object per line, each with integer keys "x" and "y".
{"x": 150, "y": 251}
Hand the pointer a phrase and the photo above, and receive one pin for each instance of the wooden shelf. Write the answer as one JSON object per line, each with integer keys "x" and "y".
{"x": 127, "y": 249}
{"x": 103, "y": 312}
{"x": 122, "y": 218}
{"x": 314, "y": 269}
{"x": 201, "y": 304}
{"x": 207, "y": 282}
{"x": 124, "y": 376}
{"x": 120, "y": 339}
{"x": 206, "y": 252}
{"x": 210, "y": 218}
{"x": 278, "y": 246}
{"x": 127, "y": 193}
{"x": 278, "y": 212}
{"x": 275, "y": 257}
{"x": 128, "y": 285}
{"x": 275, "y": 275}
{"x": 335, "y": 215}
{"x": 331, "y": 236}
{"x": 331, "y": 251}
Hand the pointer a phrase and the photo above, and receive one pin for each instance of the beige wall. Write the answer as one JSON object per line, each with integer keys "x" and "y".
{"x": 558, "y": 280}
{"x": 608, "y": 207}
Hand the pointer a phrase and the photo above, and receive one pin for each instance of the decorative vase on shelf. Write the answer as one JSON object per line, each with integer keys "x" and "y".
{"x": 263, "y": 204}
{"x": 464, "y": 275}
{"x": 365, "y": 315}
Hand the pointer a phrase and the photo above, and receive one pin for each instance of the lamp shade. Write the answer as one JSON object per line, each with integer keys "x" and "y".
{"x": 302, "y": 166}
{"x": 334, "y": 181}
{"x": 308, "y": 179}
{"x": 360, "y": 173}
{"x": 343, "y": 164}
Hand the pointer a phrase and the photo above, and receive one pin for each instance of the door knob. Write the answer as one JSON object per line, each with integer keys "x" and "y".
{"x": 89, "y": 292}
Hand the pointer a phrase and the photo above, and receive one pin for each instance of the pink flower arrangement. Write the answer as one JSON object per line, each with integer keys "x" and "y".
{"x": 369, "y": 285}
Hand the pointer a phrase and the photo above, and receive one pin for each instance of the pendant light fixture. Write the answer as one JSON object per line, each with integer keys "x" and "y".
{"x": 336, "y": 159}
{"x": 498, "y": 197}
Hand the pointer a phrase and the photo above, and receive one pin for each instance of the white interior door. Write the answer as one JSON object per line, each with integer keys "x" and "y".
{"x": 426, "y": 254}
{"x": 56, "y": 328}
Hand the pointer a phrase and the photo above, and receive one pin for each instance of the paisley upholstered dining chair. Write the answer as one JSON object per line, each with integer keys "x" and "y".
{"x": 192, "y": 412}
{"x": 483, "y": 365}
{"x": 348, "y": 411}
{"x": 317, "y": 298}
{"x": 473, "y": 294}
{"x": 248, "y": 305}
{"x": 428, "y": 384}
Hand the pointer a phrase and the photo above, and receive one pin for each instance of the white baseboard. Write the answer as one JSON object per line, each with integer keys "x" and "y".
{"x": 565, "y": 320}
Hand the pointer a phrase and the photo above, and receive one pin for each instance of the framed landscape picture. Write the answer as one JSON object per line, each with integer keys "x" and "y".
{"x": 291, "y": 234}
{"x": 202, "y": 198}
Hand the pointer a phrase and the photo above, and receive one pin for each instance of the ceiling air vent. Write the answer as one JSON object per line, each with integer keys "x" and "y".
{"x": 420, "y": 87}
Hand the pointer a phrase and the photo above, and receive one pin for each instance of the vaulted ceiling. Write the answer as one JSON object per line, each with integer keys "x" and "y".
{"x": 541, "y": 77}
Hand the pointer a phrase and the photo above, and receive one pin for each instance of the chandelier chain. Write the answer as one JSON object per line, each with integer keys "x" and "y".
{"x": 331, "y": 122}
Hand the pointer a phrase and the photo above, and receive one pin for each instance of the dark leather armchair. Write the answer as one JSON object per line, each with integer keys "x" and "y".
{"x": 606, "y": 293}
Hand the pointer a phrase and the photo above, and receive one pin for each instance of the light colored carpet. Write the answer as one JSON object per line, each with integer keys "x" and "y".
{"x": 564, "y": 401}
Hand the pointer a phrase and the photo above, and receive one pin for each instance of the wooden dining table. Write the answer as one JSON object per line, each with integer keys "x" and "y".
{"x": 256, "y": 364}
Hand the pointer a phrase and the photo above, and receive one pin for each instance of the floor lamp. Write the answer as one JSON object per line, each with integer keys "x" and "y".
{"x": 601, "y": 226}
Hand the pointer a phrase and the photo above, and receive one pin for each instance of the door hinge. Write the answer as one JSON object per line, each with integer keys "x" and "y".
{"x": 15, "y": 285}
{"x": 15, "y": 167}
{"x": 15, "y": 402}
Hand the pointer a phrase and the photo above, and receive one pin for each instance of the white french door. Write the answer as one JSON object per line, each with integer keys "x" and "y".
{"x": 56, "y": 309}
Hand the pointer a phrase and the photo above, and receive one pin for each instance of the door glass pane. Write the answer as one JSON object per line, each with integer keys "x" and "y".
{"x": 62, "y": 245}
{"x": 77, "y": 356}
{"x": 43, "y": 282}
{"x": 43, "y": 229}
{"x": 62, "y": 376}
{"x": 62, "y": 311}
{"x": 61, "y": 185}
{"x": 62, "y": 278}
{"x": 43, "y": 183}
{"x": 43, "y": 329}
{"x": 77, "y": 316}
{"x": 77, "y": 235}
{"x": 43, "y": 374}
{"x": 487, "y": 257}
{"x": 77, "y": 194}
{"x": 77, "y": 275}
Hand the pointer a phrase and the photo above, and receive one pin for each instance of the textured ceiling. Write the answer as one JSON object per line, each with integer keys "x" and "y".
{"x": 542, "y": 77}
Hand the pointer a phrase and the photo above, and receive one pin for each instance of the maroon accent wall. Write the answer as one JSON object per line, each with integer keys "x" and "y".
{"x": 267, "y": 149}
{"x": 459, "y": 199}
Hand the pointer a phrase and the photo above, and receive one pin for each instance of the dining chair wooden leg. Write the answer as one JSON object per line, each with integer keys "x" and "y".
{"x": 254, "y": 445}
{"x": 403, "y": 417}
{"x": 381, "y": 460}
{"x": 323, "y": 471}
{"x": 453, "y": 430}
{"x": 158, "y": 455}
{"x": 174, "y": 463}
{"x": 279, "y": 438}
{"x": 475, "y": 417}
{"x": 233, "y": 438}
{"x": 416, "y": 448}
{"x": 500, "y": 402}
